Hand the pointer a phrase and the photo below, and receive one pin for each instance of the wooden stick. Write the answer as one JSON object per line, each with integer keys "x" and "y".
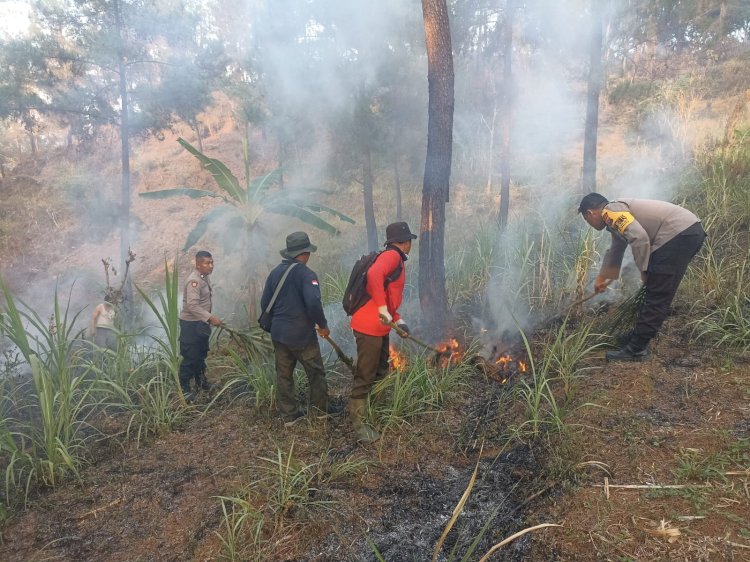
{"x": 591, "y": 296}
{"x": 514, "y": 537}
{"x": 651, "y": 486}
{"x": 340, "y": 352}
{"x": 405, "y": 335}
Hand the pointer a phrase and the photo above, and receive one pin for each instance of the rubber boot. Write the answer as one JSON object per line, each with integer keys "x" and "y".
{"x": 201, "y": 383}
{"x": 185, "y": 387}
{"x": 363, "y": 432}
{"x": 628, "y": 353}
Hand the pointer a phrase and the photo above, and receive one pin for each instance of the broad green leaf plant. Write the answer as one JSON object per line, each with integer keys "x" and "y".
{"x": 242, "y": 206}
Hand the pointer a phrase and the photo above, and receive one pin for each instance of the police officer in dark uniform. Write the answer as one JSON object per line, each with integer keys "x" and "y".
{"x": 294, "y": 315}
{"x": 195, "y": 325}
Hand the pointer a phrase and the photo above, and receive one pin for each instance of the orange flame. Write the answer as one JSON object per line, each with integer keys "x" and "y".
{"x": 450, "y": 351}
{"x": 506, "y": 365}
{"x": 397, "y": 359}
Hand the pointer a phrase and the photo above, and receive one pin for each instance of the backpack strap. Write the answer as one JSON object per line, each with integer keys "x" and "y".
{"x": 279, "y": 285}
{"x": 396, "y": 273}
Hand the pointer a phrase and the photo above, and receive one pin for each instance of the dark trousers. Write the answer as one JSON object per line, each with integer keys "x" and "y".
{"x": 666, "y": 268}
{"x": 312, "y": 362}
{"x": 194, "y": 349}
{"x": 372, "y": 363}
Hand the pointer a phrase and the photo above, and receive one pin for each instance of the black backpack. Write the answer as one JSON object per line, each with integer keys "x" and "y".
{"x": 355, "y": 294}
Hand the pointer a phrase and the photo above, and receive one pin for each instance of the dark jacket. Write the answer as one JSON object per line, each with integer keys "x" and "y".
{"x": 297, "y": 308}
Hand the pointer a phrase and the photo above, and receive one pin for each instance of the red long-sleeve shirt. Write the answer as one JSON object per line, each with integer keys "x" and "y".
{"x": 367, "y": 320}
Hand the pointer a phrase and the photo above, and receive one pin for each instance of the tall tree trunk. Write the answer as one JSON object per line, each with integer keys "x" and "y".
{"x": 491, "y": 151}
{"x": 367, "y": 181}
{"x": 127, "y": 315}
{"x": 397, "y": 185}
{"x": 588, "y": 176}
{"x": 510, "y": 8}
{"x": 196, "y": 126}
{"x": 433, "y": 298}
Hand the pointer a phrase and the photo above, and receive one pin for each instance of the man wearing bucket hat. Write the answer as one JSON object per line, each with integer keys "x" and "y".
{"x": 385, "y": 286}
{"x": 294, "y": 314}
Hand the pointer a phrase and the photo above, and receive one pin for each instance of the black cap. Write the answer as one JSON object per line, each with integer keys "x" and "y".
{"x": 398, "y": 232}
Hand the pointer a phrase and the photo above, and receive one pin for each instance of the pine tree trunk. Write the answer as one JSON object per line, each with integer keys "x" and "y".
{"x": 367, "y": 181}
{"x": 588, "y": 176}
{"x": 435, "y": 193}
{"x": 126, "y": 310}
{"x": 397, "y": 186}
{"x": 510, "y": 9}
{"x": 491, "y": 152}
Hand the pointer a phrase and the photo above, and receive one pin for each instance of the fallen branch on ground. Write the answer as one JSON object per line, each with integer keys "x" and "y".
{"x": 514, "y": 537}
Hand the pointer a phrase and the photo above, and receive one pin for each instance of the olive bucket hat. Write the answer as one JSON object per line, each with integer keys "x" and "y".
{"x": 297, "y": 243}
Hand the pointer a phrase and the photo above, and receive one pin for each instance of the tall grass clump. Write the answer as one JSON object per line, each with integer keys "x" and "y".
{"x": 168, "y": 315}
{"x": 419, "y": 389}
{"x": 538, "y": 398}
{"x": 43, "y": 430}
{"x": 287, "y": 494}
{"x": 155, "y": 412}
{"x": 470, "y": 264}
{"x": 242, "y": 537}
{"x": 291, "y": 485}
{"x": 566, "y": 349}
{"x": 251, "y": 379}
{"x": 727, "y": 327}
{"x": 558, "y": 368}
{"x": 718, "y": 190}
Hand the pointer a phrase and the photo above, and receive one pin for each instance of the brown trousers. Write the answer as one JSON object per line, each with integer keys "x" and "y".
{"x": 309, "y": 357}
{"x": 372, "y": 363}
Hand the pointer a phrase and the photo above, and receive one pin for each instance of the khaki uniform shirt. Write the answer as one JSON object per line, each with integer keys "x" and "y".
{"x": 644, "y": 224}
{"x": 196, "y": 298}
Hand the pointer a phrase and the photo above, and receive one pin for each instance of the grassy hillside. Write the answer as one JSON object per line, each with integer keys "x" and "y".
{"x": 649, "y": 461}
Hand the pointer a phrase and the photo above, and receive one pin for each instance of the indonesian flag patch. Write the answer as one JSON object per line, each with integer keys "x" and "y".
{"x": 315, "y": 282}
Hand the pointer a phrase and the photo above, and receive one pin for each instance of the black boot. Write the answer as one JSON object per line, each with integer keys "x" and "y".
{"x": 628, "y": 353}
{"x": 201, "y": 383}
{"x": 621, "y": 340}
{"x": 185, "y": 388}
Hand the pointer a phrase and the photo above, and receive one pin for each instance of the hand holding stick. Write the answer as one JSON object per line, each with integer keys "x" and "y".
{"x": 591, "y": 296}
{"x": 404, "y": 334}
{"x": 340, "y": 352}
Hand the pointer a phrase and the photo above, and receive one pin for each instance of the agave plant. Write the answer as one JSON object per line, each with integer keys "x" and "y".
{"x": 244, "y": 205}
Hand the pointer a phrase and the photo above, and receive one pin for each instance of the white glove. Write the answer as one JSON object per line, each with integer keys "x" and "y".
{"x": 385, "y": 316}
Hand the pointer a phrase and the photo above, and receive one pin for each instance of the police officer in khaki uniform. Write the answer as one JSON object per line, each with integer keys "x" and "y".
{"x": 195, "y": 325}
{"x": 664, "y": 238}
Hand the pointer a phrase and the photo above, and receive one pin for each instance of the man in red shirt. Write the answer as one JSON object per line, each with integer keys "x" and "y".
{"x": 370, "y": 322}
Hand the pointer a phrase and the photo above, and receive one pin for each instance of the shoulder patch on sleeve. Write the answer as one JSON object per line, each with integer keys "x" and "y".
{"x": 315, "y": 282}
{"x": 194, "y": 284}
{"x": 618, "y": 220}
